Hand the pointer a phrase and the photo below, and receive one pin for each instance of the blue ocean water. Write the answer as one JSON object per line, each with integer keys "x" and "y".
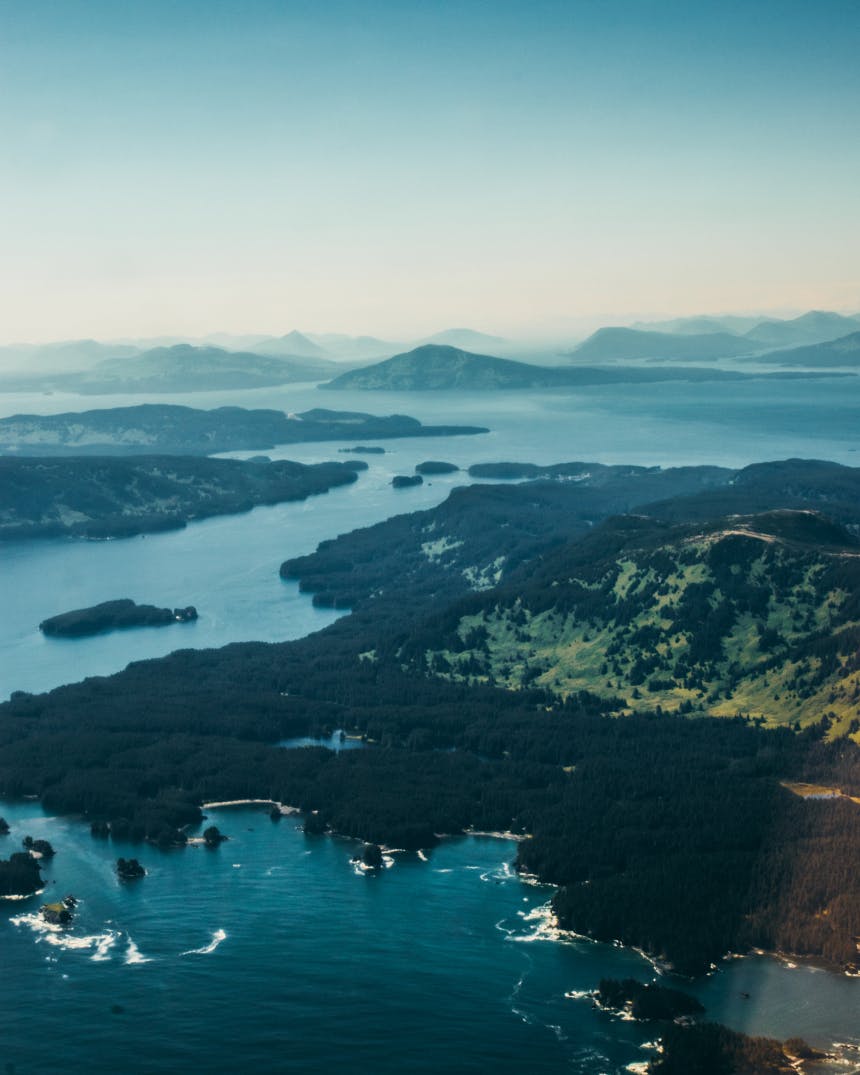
{"x": 274, "y": 952}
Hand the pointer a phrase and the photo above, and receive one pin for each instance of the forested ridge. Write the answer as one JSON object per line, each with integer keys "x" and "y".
{"x": 106, "y": 496}
{"x": 685, "y": 837}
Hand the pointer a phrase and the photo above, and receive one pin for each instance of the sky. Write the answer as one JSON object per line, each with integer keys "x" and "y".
{"x": 395, "y": 168}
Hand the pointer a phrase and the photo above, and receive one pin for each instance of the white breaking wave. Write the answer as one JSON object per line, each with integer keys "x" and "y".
{"x": 499, "y": 873}
{"x": 99, "y": 944}
{"x": 103, "y": 947}
{"x": 217, "y": 937}
{"x": 422, "y": 856}
{"x": 134, "y": 955}
{"x": 546, "y": 927}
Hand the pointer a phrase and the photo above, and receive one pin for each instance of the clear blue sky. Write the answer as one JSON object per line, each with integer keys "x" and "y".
{"x": 398, "y": 167}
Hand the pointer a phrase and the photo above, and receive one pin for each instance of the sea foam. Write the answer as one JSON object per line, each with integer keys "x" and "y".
{"x": 217, "y": 937}
{"x": 134, "y": 955}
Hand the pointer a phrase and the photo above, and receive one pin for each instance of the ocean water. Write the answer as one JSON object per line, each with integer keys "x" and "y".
{"x": 276, "y": 953}
{"x": 272, "y": 953}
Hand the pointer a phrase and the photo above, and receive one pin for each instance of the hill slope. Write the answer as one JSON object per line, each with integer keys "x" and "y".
{"x": 817, "y": 326}
{"x": 435, "y": 367}
{"x": 756, "y": 615}
{"x": 101, "y": 497}
{"x": 626, "y": 344}
{"x": 185, "y": 368}
{"x": 293, "y": 345}
{"x": 844, "y": 351}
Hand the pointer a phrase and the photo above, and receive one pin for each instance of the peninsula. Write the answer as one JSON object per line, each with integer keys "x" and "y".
{"x": 103, "y": 497}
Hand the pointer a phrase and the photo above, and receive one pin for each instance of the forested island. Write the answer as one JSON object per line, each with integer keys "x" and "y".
{"x": 150, "y": 429}
{"x": 435, "y": 466}
{"x": 105, "y": 497}
{"x": 687, "y": 838}
{"x": 406, "y": 481}
{"x": 20, "y": 875}
{"x": 114, "y": 615}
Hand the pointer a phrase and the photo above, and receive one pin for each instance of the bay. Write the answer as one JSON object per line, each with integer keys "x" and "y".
{"x": 274, "y": 952}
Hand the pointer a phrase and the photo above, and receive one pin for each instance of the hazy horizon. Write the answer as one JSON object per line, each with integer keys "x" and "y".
{"x": 555, "y": 330}
{"x": 393, "y": 169}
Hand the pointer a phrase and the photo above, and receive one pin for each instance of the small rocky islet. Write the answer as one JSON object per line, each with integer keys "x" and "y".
{"x": 113, "y": 615}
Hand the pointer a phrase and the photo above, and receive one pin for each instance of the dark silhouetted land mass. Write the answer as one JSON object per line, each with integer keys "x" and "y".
{"x": 645, "y": 1001}
{"x": 114, "y": 615}
{"x": 100, "y": 497}
{"x": 129, "y": 869}
{"x": 19, "y": 875}
{"x": 434, "y": 466}
{"x": 711, "y": 1049}
{"x": 156, "y": 428}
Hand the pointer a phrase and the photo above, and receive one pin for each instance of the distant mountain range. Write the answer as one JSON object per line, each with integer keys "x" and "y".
{"x": 180, "y": 368}
{"x": 184, "y": 368}
{"x": 62, "y": 356}
{"x": 293, "y": 345}
{"x": 435, "y": 367}
{"x": 227, "y": 361}
{"x": 830, "y": 355}
{"x": 692, "y": 326}
{"x": 817, "y": 326}
{"x": 626, "y": 344}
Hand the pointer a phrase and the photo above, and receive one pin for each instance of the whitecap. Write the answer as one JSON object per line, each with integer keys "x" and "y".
{"x": 580, "y": 994}
{"x": 546, "y": 927}
{"x": 103, "y": 947}
{"x": 217, "y": 937}
{"x": 498, "y": 874}
{"x": 134, "y": 955}
{"x": 422, "y": 856}
{"x": 60, "y": 937}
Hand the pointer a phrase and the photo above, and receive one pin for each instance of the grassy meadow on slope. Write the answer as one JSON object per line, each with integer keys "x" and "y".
{"x": 757, "y": 616}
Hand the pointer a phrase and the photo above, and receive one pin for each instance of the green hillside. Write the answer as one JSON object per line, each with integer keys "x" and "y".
{"x": 757, "y": 615}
